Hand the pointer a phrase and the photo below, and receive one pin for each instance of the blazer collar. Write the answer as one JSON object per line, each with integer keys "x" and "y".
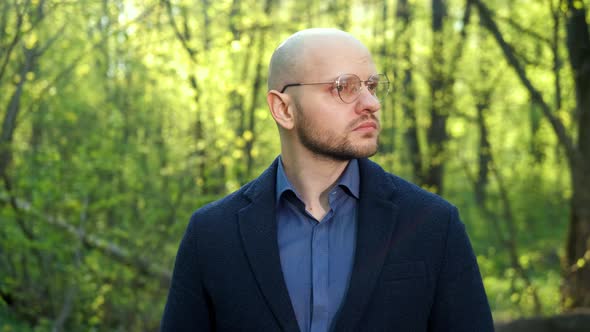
{"x": 258, "y": 228}
{"x": 375, "y": 226}
{"x": 376, "y": 223}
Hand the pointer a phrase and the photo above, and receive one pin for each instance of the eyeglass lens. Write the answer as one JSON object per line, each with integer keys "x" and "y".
{"x": 349, "y": 87}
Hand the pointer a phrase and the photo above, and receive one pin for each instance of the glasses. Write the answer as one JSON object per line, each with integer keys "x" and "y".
{"x": 349, "y": 86}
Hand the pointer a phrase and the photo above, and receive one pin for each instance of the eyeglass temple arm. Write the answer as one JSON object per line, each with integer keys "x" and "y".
{"x": 288, "y": 85}
{"x": 300, "y": 84}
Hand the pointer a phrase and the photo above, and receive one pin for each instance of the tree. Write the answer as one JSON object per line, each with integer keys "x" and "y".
{"x": 576, "y": 288}
{"x": 577, "y": 274}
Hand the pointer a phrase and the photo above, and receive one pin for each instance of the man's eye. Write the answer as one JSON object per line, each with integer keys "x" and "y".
{"x": 351, "y": 87}
{"x": 342, "y": 87}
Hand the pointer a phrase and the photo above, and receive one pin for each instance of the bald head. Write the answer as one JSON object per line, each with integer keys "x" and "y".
{"x": 305, "y": 50}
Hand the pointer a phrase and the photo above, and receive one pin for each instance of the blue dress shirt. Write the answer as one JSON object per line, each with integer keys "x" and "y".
{"x": 317, "y": 256}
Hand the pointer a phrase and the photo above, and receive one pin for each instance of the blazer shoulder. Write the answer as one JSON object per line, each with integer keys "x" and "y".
{"x": 222, "y": 208}
{"x": 221, "y": 215}
{"x": 401, "y": 192}
{"x": 413, "y": 196}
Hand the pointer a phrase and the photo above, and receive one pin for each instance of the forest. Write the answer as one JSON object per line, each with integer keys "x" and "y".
{"x": 119, "y": 118}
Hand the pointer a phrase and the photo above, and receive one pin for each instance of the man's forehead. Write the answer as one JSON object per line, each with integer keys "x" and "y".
{"x": 331, "y": 60}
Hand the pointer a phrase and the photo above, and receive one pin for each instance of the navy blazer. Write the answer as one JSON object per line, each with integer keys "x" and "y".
{"x": 414, "y": 268}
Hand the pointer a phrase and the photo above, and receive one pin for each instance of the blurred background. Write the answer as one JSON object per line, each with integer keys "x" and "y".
{"x": 119, "y": 118}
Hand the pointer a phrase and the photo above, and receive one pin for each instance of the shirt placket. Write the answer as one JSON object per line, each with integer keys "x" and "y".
{"x": 320, "y": 275}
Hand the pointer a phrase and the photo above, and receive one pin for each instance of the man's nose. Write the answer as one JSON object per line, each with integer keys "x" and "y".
{"x": 367, "y": 102}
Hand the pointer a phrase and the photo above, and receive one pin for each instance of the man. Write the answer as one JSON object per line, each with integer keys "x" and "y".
{"x": 324, "y": 239}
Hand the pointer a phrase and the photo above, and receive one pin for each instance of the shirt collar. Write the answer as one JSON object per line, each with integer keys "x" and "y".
{"x": 349, "y": 179}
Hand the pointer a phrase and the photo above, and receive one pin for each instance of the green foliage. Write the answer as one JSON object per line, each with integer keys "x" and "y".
{"x": 135, "y": 113}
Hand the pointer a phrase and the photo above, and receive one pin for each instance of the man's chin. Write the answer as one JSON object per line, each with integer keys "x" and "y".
{"x": 363, "y": 152}
{"x": 367, "y": 150}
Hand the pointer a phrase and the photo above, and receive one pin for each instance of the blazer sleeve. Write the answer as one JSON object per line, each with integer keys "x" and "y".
{"x": 460, "y": 302}
{"x": 187, "y": 307}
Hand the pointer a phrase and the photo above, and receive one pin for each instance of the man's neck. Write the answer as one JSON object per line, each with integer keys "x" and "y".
{"x": 313, "y": 177}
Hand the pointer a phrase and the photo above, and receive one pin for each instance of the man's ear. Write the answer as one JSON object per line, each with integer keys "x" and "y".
{"x": 278, "y": 104}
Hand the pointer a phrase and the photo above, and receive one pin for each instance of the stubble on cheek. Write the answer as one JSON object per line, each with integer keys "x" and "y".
{"x": 343, "y": 144}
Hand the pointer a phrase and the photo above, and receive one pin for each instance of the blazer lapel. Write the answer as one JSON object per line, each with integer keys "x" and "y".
{"x": 375, "y": 225}
{"x": 257, "y": 224}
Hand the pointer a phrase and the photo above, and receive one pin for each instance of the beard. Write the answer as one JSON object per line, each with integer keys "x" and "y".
{"x": 328, "y": 144}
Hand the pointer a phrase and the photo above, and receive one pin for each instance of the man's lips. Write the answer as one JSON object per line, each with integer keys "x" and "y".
{"x": 369, "y": 125}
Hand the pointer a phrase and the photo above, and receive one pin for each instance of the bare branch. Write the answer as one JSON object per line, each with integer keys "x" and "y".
{"x": 52, "y": 40}
{"x": 19, "y": 23}
{"x": 81, "y": 57}
{"x": 558, "y": 127}
{"x": 191, "y": 52}
{"x": 117, "y": 253}
{"x": 509, "y": 238}
{"x": 525, "y": 31}
{"x": 460, "y": 44}
{"x": 9, "y": 121}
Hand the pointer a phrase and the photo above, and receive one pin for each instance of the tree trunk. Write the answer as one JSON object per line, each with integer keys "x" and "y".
{"x": 387, "y": 58}
{"x": 437, "y": 132}
{"x": 408, "y": 93}
{"x": 484, "y": 150}
{"x": 9, "y": 123}
{"x": 509, "y": 237}
{"x": 576, "y": 291}
{"x": 184, "y": 36}
{"x": 256, "y": 90}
